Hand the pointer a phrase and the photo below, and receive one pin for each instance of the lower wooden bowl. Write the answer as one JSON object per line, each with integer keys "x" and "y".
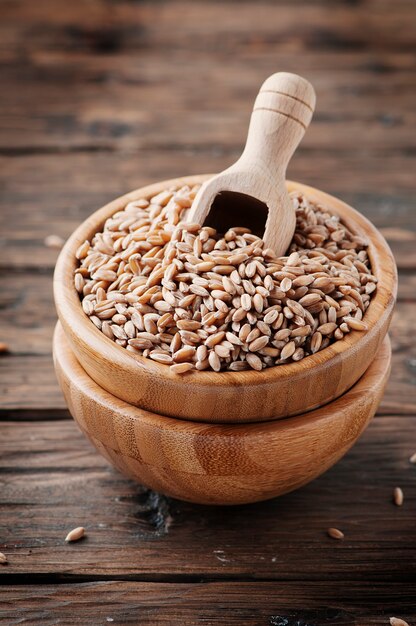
{"x": 218, "y": 463}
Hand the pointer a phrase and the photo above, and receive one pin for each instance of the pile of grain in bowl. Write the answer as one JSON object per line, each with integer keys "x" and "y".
{"x": 194, "y": 299}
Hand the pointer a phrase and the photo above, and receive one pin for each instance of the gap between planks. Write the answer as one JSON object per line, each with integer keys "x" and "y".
{"x": 59, "y": 578}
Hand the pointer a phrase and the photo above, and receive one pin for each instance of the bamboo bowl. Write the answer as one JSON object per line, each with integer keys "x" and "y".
{"x": 218, "y": 463}
{"x": 228, "y": 396}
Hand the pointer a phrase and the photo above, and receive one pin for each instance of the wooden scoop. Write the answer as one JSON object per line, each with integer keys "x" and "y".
{"x": 252, "y": 192}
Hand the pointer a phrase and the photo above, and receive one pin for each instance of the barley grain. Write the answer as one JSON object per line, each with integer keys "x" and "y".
{"x": 327, "y": 328}
{"x": 288, "y": 350}
{"x": 254, "y": 362}
{"x": 75, "y": 534}
{"x": 265, "y": 329}
{"x": 233, "y": 339}
{"x": 258, "y": 344}
{"x": 160, "y": 357}
{"x": 245, "y": 302}
{"x": 335, "y": 533}
{"x": 398, "y": 496}
{"x": 184, "y": 354}
{"x": 140, "y": 343}
{"x": 293, "y": 259}
{"x": 238, "y": 366}
{"x": 303, "y": 331}
{"x": 271, "y": 317}
{"x": 214, "y": 361}
{"x": 222, "y": 351}
{"x": 355, "y": 324}
{"x": 310, "y": 299}
{"x": 82, "y": 251}
{"x": 397, "y": 621}
{"x": 244, "y": 332}
{"x": 214, "y": 339}
{"x": 54, "y": 241}
{"x": 282, "y": 334}
{"x": 181, "y": 368}
{"x": 286, "y": 284}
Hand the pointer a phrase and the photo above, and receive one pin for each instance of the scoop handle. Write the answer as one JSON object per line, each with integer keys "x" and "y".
{"x": 281, "y": 114}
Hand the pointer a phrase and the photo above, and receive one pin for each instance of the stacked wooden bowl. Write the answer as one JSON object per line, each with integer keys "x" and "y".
{"x": 220, "y": 438}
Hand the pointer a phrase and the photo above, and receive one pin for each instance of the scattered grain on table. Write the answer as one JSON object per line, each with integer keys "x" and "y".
{"x": 75, "y": 534}
{"x": 397, "y": 621}
{"x": 413, "y": 459}
{"x": 4, "y": 348}
{"x": 335, "y": 533}
{"x": 398, "y": 496}
{"x": 54, "y": 241}
{"x": 3, "y": 559}
{"x": 184, "y": 295}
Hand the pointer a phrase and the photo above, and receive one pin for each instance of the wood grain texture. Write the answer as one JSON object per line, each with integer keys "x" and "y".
{"x": 53, "y": 480}
{"x": 218, "y": 463}
{"x": 226, "y": 396}
{"x": 78, "y": 126}
{"x": 252, "y": 192}
{"x": 353, "y": 103}
{"x": 205, "y": 26}
{"x": 230, "y": 604}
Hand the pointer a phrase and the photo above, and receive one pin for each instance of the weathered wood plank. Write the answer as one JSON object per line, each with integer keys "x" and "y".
{"x": 230, "y": 604}
{"x": 407, "y": 286}
{"x": 27, "y": 312}
{"x": 79, "y": 87}
{"x": 79, "y": 108}
{"x": 107, "y": 28}
{"x": 64, "y": 190}
{"x": 28, "y": 387}
{"x": 53, "y": 481}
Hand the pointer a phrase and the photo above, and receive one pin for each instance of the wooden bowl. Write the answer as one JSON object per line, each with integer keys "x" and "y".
{"x": 229, "y": 396}
{"x": 218, "y": 463}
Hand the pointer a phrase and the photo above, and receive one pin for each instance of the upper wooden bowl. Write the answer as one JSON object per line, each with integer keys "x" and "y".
{"x": 218, "y": 463}
{"x": 227, "y": 396}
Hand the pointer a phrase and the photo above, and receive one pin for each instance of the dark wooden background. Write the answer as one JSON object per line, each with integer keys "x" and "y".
{"x": 99, "y": 97}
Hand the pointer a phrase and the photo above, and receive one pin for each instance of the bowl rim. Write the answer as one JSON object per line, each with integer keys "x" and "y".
{"x": 64, "y": 358}
{"x": 68, "y": 303}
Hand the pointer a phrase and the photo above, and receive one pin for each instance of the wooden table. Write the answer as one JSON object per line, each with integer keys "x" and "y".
{"x": 99, "y": 97}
